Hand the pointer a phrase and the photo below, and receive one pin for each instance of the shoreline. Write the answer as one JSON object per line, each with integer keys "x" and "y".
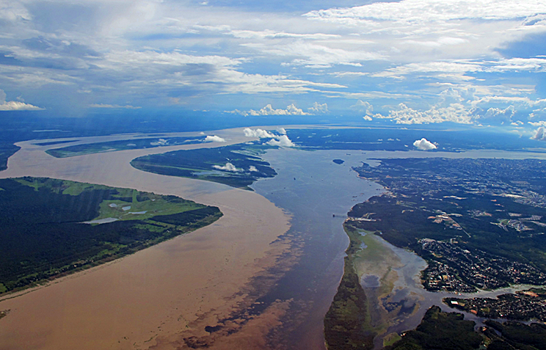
{"x": 162, "y": 295}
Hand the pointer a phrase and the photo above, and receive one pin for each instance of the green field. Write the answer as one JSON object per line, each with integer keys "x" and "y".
{"x": 50, "y": 227}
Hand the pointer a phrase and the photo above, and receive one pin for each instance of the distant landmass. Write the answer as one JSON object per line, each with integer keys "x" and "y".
{"x": 396, "y": 139}
{"x": 112, "y": 146}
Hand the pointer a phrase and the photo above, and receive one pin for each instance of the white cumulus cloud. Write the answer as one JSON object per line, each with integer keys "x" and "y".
{"x": 15, "y": 105}
{"x": 214, "y": 138}
{"x": 424, "y": 144}
{"x": 260, "y": 133}
{"x": 318, "y": 108}
{"x": 540, "y": 134}
{"x": 539, "y": 123}
{"x": 456, "y": 113}
{"x": 363, "y": 107}
{"x": 18, "y": 106}
{"x": 500, "y": 114}
{"x": 283, "y": 141}
{"x": 269, "y": 110}
{"x": 227, "y": 167}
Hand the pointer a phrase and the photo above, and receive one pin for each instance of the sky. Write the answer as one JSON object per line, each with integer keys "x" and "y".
{"x": 474, "y": 62}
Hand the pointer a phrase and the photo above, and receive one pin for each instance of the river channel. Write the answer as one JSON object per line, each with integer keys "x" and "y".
{"x": 317, "y": 193}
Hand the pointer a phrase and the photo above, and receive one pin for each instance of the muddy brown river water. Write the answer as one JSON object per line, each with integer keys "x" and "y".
{"x": 161, "y": 295}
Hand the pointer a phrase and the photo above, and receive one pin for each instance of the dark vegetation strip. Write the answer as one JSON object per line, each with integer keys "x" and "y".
{"x": 6, "y": 151}
{"x": 121, "y": 145}
{"x": 51, "y": 143}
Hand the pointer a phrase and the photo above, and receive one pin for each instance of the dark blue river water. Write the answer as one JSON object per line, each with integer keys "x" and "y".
{"x": 317, "y": 193}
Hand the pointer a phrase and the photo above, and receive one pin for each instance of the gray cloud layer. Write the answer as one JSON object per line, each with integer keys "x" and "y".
{"x": 412, "y": 61}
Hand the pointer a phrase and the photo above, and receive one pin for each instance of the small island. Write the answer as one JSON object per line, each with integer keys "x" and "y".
{"x": 339, "y": 161}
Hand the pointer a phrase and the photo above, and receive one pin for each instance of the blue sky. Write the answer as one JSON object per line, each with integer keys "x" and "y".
{"x": 478, "y": 62}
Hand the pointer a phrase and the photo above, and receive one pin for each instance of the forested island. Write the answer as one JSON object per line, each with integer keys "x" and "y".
{"x": 237, "y": 166}
{"x": 53, "y": 227}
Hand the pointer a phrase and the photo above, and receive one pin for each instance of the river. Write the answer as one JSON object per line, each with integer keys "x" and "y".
{"x": 317, "y": 193}
{"x": 191, "y": 282}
